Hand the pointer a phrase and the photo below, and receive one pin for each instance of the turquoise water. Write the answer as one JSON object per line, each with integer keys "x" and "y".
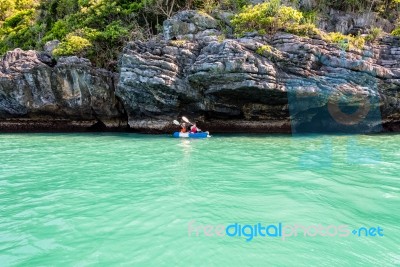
{"x": 127, "y": 199}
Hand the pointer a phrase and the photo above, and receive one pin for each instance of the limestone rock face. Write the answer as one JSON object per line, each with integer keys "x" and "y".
{"x": 259, "y": 83}
{"x": 187, "y": 24}
{"x": 353, "y": 23}
{"x": 271, "y": 83}
{"x": 69, "y": 93}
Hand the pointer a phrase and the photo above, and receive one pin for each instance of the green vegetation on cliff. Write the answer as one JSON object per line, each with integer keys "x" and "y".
{"x": 93, "y": 28}
{"x": 270, "y": 17}
{"x": 98, "y": 29}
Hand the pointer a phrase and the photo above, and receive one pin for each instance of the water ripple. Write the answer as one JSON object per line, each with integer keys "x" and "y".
{"x": 111, "y": 199}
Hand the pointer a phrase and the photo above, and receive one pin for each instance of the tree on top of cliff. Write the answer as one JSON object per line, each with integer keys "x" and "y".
{"x": 102, "y": 27}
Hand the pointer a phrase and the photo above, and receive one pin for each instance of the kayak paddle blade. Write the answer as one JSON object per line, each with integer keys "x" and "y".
{"x": 185, "y": 119}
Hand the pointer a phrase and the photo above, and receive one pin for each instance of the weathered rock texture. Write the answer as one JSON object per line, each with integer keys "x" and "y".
{"x": 278, "y": 83}
{"x": 340, "y": 21}
{"x": 36, "y": 93}
{"x": 267, "y": 84}
{"x": 353, "y": 23}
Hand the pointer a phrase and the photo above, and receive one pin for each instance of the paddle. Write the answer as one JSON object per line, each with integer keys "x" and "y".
{"x": 186, "y": 119}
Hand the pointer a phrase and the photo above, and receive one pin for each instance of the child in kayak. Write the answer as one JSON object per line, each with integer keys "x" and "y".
{"x": 183, "y": 128}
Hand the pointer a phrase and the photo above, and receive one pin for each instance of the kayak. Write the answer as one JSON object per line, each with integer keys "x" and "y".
{"x": 191, "y": 135}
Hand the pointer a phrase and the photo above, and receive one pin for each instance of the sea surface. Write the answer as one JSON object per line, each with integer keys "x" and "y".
{"x": 144, "y": 200}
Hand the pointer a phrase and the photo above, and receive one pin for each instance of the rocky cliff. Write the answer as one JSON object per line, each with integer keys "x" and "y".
{"x": 258, "y": 83}
{"x": 38, "y": 93}
{"x": 277, "y": 83}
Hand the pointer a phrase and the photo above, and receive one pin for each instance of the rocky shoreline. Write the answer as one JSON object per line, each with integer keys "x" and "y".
{"x": 261, "y": 84}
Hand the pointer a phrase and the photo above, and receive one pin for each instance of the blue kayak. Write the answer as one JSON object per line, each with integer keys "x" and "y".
{"x": 191, "y": 135}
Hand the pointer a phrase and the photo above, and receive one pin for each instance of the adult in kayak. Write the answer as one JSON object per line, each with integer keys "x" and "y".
{"x": 194, "y": 129}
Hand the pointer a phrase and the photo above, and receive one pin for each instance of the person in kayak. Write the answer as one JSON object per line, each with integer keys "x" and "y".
{"x": 194, "y": 129}
{"x": 183, "y": 128}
